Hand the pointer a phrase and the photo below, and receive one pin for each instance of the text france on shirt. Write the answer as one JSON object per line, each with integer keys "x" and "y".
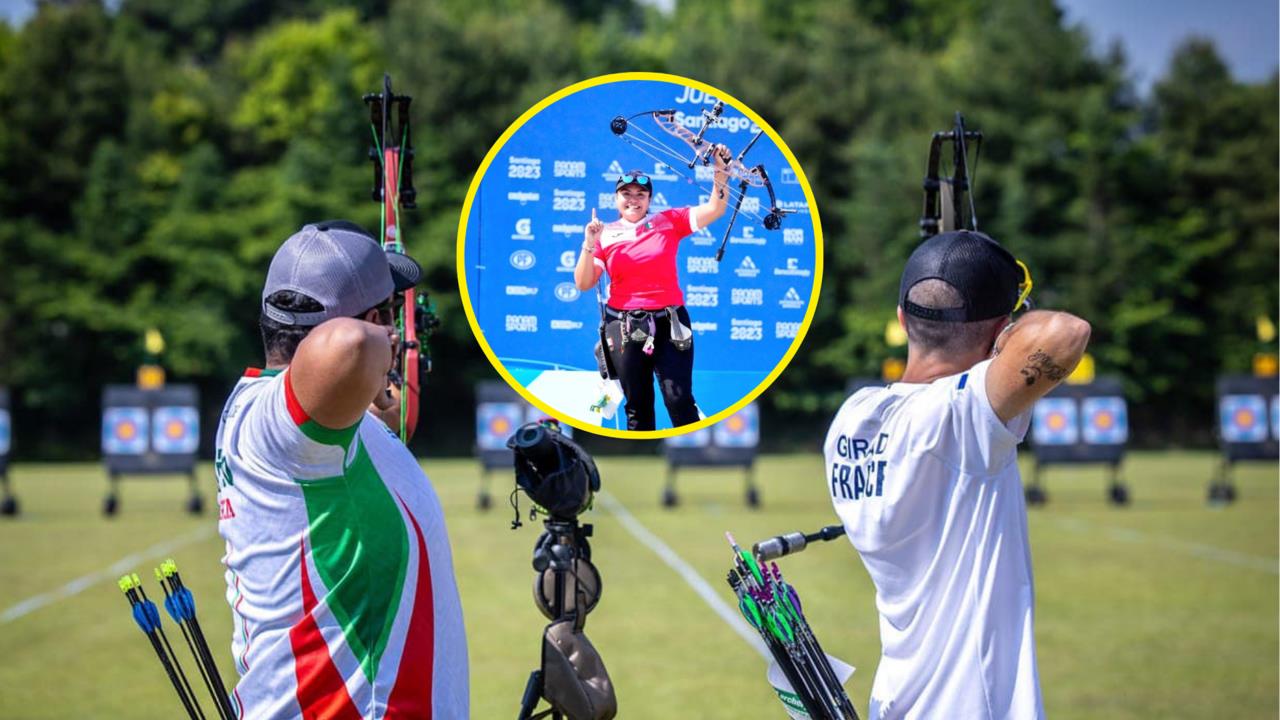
{"x": 860, "y": 473}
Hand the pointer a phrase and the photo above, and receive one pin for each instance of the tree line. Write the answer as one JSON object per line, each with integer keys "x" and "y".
{"x": 154, "y": 154}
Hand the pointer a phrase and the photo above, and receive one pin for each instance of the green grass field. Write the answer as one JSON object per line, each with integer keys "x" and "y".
{"x": 1164, "y": 608}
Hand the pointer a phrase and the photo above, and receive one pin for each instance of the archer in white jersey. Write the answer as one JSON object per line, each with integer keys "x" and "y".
{"x": 339, "y": 572}
{"x": 923, "y": 474}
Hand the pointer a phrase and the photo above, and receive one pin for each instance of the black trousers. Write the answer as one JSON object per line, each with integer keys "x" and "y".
{"x": 636, "y": 370}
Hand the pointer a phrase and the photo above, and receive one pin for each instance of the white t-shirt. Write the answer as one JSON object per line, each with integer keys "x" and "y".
{"x": 925, "y": 479}
{"x": 339, "y": 572}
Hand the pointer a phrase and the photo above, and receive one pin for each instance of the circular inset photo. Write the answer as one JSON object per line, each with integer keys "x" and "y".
{"x": 640, "y": 255}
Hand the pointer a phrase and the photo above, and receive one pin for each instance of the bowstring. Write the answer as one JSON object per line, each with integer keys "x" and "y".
{"x": 404, "y": 352}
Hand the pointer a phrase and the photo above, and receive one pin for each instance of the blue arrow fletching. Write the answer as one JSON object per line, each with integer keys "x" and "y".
{"x": 188, "y": 603}
{"x": 140, "y": 617}
{"x": 153, "y": 616}
{"x": 172, "y": 607}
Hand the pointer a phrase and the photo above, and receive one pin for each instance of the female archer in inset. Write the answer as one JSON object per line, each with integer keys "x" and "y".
{"x": 647, "y": 326}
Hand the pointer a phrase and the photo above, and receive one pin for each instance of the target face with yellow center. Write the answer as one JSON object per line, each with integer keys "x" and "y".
{"x": 1243, "y": 418}
{"x": 1055, "y": 422}
{"x": 175, "y": 430}
{"x": 741, "y": 429}
{"x": 495, "y": 421}
{"x": 1106, "y": 420}
{"x": 125, "y": 430}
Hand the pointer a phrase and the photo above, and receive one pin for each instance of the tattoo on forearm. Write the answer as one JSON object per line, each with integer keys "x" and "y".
{"x": 1040, "y": 364}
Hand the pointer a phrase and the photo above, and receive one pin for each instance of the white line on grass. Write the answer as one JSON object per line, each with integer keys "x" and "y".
{"x": 685, "y": 571}
{"x": 1201, "y": 550}
{"x": 128, "y": 563}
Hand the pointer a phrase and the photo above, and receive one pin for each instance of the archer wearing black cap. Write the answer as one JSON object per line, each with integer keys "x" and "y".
{"x": 924, "y": 477}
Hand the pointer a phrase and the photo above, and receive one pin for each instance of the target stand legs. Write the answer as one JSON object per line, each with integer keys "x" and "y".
{"x": 1117, "y": 491}
{"x": 111, "y": 503}
{"x": 1035, "y": 492}
{"x": 484, "y": 500}
{"x": 753, "y": 492}
{"x": 669, "y": 497}
{"x": 9, "y": 503}
{"x": 195, "y": 503}
{"x": 1222, "y": 491}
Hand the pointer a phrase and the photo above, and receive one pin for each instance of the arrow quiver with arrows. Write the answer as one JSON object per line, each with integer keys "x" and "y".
{"x": 699, "y": 151}
{"x": 416, "y": 319}
{"x": 809, "y": 682}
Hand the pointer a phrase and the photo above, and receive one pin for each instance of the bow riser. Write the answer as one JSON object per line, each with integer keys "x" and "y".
{"x": 945, "y": 198}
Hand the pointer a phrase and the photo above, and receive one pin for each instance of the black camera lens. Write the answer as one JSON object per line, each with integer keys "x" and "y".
{"x": 535, "y": 444}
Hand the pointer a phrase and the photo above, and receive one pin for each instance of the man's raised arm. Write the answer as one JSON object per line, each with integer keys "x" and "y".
{"x": 1032, "y": 356}
{"x": 339, "y": 368}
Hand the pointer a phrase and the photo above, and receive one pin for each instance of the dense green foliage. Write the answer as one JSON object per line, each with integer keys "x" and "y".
{"x": 153, "y": 156}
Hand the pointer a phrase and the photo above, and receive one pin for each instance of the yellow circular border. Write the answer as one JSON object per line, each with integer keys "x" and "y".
{"x": 466, "y": 215}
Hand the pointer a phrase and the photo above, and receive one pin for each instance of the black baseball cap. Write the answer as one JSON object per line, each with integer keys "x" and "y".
{"x": 634, "y": 177}
{"x": 988, "y": 277}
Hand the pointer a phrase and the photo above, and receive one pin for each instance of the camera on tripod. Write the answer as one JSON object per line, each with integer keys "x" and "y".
{"x": 561, "y": 480}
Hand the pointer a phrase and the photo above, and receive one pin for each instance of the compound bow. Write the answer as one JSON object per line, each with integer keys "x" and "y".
{"x": 701, "y": 149}
{"x": 944, "y": 198}
{"x": 416, "y": 320}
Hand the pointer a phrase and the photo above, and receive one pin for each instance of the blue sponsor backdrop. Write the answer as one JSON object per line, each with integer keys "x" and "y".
{"x": 526, "y": 229}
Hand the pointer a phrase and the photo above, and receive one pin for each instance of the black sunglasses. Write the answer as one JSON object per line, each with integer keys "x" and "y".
{"x": 637, "y": 179}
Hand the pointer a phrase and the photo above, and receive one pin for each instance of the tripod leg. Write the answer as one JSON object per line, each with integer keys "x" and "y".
{"x": 532, "y": 693}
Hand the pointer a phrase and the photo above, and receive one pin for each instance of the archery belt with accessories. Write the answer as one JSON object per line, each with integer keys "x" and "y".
{"x": 640, "y": 327}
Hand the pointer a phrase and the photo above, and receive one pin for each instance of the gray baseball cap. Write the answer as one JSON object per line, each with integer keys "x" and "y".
{"x": 339, "y": 265}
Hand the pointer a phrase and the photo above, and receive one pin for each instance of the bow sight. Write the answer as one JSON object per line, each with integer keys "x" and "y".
{"x": 649, "y": 144}
{"x": 945, "y": 198}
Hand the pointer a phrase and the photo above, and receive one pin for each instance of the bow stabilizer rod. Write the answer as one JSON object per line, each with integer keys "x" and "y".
{"x": 794, "y": 542}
